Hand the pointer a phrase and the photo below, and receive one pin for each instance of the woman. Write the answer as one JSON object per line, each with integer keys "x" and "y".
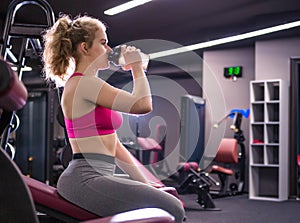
{"x": 91, "y": 106}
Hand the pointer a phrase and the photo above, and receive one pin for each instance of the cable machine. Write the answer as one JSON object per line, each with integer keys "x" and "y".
{"x": 202, "y": 181}
{"x": 21, "y": 47}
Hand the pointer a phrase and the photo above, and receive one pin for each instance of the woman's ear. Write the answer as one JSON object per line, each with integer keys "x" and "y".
{"x": 83, "y": 47}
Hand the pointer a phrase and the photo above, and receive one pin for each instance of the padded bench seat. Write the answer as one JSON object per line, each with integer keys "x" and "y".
{"x": 145, "y": 215}
{"x": 47, "y": 199}
{"x": 47, "y": 196}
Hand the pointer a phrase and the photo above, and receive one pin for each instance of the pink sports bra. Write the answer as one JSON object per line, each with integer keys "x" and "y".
{"x": 100, "y": 121}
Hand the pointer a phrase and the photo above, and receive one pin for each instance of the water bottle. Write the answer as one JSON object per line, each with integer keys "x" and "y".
{"x": 117, "y": 58}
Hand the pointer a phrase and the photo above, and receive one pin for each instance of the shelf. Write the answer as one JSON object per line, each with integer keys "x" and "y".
{"x": 272, "y": 123}
{"x": 264, "y": 198}
{"x": 272, "y": 144}
{"x": 273, "y": 90}
{"x": 273, "y": 111}
{"x": 264, "y": 165}
{"x": 258, "y": 112}
{"x": 268, "y": 151}
{"x": 272, "y": 155}
{"x": 257, "y": 123}
{"x": 258, "y": 92}
{"x": 257, "y": 154}
{"x": 272, "y": 133}
{"x": 263, "y": 181}
{"x": 257, "y": 132}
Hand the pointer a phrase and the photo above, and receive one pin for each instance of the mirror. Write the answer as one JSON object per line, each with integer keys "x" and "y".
{"x": 295, "y": 127}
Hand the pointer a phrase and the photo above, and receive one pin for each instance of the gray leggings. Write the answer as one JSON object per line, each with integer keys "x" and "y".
{"x": 90, "y": 184}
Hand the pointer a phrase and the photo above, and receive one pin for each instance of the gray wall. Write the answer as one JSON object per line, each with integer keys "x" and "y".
{"x": 234, "y": 94}
{"x": 272, "y": 58}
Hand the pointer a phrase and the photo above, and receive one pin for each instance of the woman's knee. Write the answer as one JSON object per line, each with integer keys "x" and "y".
{"x": 179, "y": 212}
{"x": 172, "y": 205}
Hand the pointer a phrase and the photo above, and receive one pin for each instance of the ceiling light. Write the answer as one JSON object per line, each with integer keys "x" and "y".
{"x": 225, "y": 40}
{"x": 25, "y": 68}
{"x": 125, "y": 6}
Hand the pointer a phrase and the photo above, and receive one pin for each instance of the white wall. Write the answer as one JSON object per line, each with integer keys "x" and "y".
{"x": 272, "y": 58}
{"x": 234, "y": 94}
{"x": 223, "y": 94}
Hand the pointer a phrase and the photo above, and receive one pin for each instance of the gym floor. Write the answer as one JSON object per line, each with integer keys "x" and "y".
{"x": 239, "y": 208}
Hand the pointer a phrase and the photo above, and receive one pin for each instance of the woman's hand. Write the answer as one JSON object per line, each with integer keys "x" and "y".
{"x": 154, "y": 184}
{"x": 132, "y": 57}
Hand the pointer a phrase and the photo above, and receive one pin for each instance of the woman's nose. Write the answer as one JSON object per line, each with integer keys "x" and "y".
{"x": 109, "y": 49}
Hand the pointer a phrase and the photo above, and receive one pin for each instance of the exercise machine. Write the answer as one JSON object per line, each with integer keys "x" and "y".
{"x": 230, "y": 151}
{"x": 239, "y": 172}
{"x": 200, "y": 181}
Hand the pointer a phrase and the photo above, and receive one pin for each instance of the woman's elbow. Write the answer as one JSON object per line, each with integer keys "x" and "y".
{"x": 148, "y": 108}
{"x": 142, "y": 108}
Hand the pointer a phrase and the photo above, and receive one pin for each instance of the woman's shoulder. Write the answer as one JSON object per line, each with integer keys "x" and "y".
{"x": 84, "y": 86}
{"x": 77, "y": 79}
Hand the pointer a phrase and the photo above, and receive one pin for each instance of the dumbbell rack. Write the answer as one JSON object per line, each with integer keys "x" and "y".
{"x": 21, "y": 44}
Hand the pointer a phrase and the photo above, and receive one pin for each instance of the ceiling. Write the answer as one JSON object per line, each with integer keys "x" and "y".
{"x": 180, "y": 21}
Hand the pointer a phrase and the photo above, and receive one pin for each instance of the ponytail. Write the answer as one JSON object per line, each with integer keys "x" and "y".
{"x": 60, "y": 44}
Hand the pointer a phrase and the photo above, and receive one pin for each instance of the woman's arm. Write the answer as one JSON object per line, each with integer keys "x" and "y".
{"x": 138, "y": 101}
{"x": 136, "y": 171}
{"x": 97, "y": 91}
{"x": 126, "y": 161}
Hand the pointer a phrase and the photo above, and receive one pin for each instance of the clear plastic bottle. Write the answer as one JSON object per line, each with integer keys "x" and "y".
{"x": 117, "y": 58}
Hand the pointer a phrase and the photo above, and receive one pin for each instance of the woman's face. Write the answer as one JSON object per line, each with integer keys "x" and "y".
{"x": 99, "y": 50}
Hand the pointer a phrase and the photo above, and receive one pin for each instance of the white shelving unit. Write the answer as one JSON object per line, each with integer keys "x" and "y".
{"x": 268, "y": 171}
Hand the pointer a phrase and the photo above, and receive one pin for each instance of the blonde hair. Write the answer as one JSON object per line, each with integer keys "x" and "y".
{"x": 60, "y": 43}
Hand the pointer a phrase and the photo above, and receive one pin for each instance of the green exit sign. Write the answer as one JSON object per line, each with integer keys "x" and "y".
{"x": 235, "y": 71}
